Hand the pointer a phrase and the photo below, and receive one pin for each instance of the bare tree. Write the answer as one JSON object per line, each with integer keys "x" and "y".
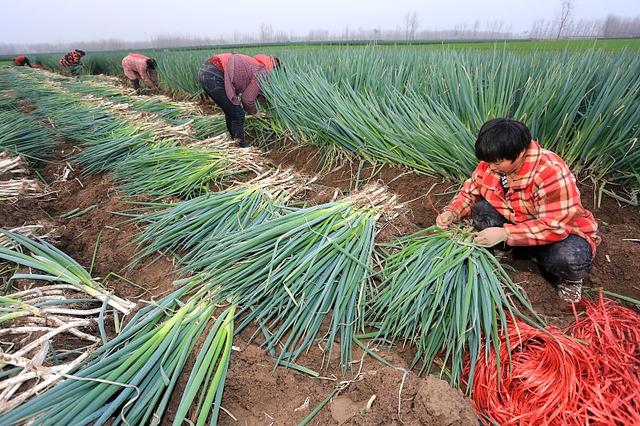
{"x": 495, "y": 29}
{"x": 345, "y": 34}
{"x": 476, "y": 29}
{"x": 537, "y": 28}
{"x": 410, "y": 25}
{"x": 564, "y": 17}
{"x": 615, "y": 26}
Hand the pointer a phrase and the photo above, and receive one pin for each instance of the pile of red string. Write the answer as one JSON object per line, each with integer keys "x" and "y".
{"x": 587, "y": 374}
{"x": 613, "y": 333}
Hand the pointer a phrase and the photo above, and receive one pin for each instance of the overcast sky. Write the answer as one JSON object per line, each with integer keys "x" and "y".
{"x": 33, "y": 21}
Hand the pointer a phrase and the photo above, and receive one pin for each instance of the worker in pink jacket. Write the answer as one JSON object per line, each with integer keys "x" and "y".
{"x": 137, "y": 66}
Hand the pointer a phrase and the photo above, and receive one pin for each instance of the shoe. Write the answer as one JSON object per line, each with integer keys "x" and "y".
{"x": 570, "y": 291}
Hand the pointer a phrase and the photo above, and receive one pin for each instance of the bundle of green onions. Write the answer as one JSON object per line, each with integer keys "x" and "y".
{"x": 178, "y": 130}
{"x": 185, "y": 115}
{"x": 165, "y": 170}
{"x": 448, "y": 297}
{"x": 104, "y": 152}
{"x": 70, "y": 115}
{"x": 207, "y": 126}
{"x": 11, "y": 166}
{"x": 7, "y": 100}
{"x": 34, "y": 319}
{"x": 58, "y": 267}
{"x": 291, "y": 272}
{"x": 20, "y": 189}
{"x": 130, "y": 379}
{"x": 22, "y": 135}
{"x": 75, "y": 119}
{"x": 175, "y": 113}
{"x": 195, "y": 225}
{"x": 209, "y": 373}
{"x": 14, "y": 180}
{"x": 97, "y": 86}
{"x": 161, "y": 106}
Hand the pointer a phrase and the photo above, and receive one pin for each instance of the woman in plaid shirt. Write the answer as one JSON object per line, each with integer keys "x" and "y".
{"x": 232, "y": 81}
{"x": 523, "y": 195}
{"x": 71, "y": 61}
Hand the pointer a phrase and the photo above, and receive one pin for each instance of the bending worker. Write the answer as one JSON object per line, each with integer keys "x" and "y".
{"x": 231, "y": 80}
{"x": 21, "y": 61}
{"x": 71, "y": 61}
{"x": 523, "y": 195}
{"x": 137, "y": 66}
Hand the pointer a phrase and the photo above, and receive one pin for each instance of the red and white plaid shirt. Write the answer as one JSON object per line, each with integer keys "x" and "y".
{"x": 542, "y": 203}
{"x": 241, "y": 79}
{"x": 71, "y": 58}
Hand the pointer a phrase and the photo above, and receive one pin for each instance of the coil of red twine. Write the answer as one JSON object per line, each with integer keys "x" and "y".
{"x": 587, "y": 374}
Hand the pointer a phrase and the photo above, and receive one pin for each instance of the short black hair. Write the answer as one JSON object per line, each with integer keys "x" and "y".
{"x": 502, "y": 139}
{"x": 151, "y": 63}
{"x": 81, "y": 52}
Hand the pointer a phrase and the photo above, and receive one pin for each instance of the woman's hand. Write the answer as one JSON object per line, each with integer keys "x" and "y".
{"x": 490, "y": 237}
{"x": 445, "y": 219}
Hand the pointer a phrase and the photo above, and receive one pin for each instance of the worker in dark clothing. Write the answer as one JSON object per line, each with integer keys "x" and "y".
{"x": 231, "y": 80}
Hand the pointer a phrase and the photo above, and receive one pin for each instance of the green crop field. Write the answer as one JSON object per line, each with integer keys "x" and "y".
{"x": 421, "y": 105}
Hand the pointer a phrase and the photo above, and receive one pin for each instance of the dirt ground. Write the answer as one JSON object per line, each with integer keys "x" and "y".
{"x": 256, "y": 393}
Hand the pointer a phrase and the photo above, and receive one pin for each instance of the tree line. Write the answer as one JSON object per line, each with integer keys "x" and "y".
{"x": 563, "y": 26}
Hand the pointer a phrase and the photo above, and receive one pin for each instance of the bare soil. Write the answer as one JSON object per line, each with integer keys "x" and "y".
{"x": 256, "y": 393}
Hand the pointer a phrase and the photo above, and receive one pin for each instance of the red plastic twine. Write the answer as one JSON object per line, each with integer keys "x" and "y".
{"x": 588, "y": 374}
{"x": 613, "y": 333}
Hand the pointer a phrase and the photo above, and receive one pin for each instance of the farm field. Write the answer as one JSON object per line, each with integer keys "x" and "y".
{"x": 353, "y": 149}
{"x": 365, "y": 100}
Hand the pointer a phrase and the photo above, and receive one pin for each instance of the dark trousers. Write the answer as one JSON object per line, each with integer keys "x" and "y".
{"x": 569, "y": 259}
{"x": 212, "y": 82}
{"x": 74, "y": 70}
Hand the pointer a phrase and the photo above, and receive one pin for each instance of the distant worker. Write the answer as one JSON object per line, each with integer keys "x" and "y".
{"x": 523, "y": 195}
{"x": 21, "y": 61}
{"x": 231, "y": 80}
{"x": 137, "y": 66}
{"x": 71, "y": 61}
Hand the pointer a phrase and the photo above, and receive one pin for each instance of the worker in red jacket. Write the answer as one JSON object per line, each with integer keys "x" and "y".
{"x": 21, "y": 61}
{"x": 137, "y": 66}
{"x": 521, "y": 195}
{"x": 72, "y": 61}
{"x": 231, "y": 80}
